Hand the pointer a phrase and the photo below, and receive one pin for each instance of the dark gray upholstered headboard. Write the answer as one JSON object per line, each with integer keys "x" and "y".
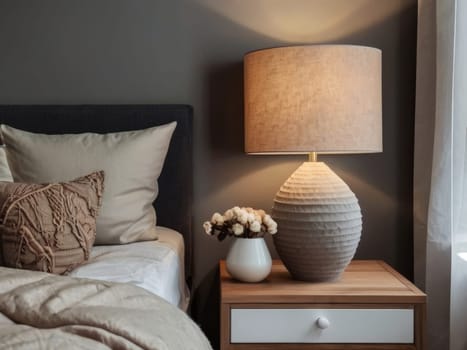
{"x": 174, "y": 202}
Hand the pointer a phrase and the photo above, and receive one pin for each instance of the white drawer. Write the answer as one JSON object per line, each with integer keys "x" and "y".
{"x": 303, "y": 326}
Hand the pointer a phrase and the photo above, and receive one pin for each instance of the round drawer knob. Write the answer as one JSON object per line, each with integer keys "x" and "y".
{"x": 322, "y": 322}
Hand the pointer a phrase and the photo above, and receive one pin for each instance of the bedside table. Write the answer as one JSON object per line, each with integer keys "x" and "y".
{"x": 371, "y": 307}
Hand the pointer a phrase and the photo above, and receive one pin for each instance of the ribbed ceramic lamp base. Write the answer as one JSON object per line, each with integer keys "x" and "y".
{"x": 319, "y": 223}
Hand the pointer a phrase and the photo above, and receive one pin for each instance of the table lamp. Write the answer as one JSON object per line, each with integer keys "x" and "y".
{"x": 308, "y": 100}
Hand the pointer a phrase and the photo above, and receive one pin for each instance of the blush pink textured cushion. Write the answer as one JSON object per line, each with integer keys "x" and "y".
{"x": 49, "y": 227}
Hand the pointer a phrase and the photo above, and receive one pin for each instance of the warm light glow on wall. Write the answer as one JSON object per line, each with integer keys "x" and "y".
{"x": 305, "y": 20}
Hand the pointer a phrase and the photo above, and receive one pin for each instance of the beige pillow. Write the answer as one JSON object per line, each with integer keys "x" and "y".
{"x": 132, "y": 162}
{"x": 5, "y": 173}
{"x": 49, "y": 227}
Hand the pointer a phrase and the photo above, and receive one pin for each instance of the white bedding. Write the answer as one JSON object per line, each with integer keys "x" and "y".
{"x": 157, "y": 266}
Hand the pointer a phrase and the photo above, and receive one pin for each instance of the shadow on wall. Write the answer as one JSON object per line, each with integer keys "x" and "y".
{"x": 225, "y": 108}
{"x": 382, "y": 182}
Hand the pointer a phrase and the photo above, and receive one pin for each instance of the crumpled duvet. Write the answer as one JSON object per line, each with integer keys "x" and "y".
{"x": 44, "y": 311}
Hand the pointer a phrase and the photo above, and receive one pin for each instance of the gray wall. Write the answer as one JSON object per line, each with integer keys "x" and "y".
{"x": 190, "y": 51}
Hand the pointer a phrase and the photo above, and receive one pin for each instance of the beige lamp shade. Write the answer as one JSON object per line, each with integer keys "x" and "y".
{"x": 316, "y": 98}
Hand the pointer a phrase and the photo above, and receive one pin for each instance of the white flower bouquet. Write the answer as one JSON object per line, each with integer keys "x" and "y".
{"x": 240, "y": 222}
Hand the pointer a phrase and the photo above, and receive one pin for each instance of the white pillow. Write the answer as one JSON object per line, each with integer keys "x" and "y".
{"x": 132, "y": 162}
{"x": 5, "y": 173}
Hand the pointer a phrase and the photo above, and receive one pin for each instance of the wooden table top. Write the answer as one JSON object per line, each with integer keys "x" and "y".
{"x": 363, "y": 281}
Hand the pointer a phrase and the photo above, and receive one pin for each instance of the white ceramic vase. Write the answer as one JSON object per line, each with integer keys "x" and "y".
{"x": 249, "y": 260}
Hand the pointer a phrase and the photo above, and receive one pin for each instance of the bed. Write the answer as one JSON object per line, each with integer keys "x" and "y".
{"x": 147, "y": 275}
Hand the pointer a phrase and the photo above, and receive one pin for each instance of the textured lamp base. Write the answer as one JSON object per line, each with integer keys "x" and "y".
{"x": 319, "y": 221}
